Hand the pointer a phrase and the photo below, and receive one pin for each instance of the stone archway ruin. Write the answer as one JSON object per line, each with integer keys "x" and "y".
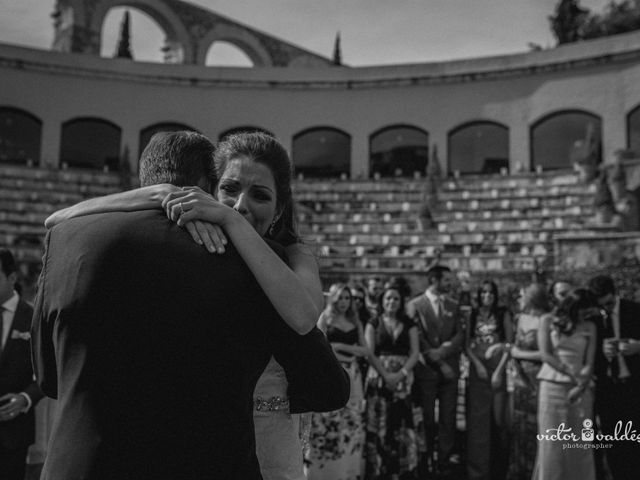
{"x": 190, "y": 31}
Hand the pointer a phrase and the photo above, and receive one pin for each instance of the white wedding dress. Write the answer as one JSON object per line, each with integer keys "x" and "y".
{"x": 278, "y": 439}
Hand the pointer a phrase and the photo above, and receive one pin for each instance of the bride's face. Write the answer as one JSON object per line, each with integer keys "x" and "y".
{"x": 249, "y": 187}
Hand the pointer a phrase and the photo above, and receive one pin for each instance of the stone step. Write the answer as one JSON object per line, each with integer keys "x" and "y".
{"x": 456, "y": 262}
{"x": 28, "y": 186}
{"x": 78, "y": 176}
{"x": 444, "y": 226}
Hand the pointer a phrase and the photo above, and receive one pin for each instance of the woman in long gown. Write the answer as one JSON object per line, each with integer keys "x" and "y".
{"x": 487, "y": 433}
{"x": 391, "y": 450}
{"x": 567, "y": 341}
{"x": 337, "y": 437}
{"x": 251, "y": 201}
{"x": 534, "y": 303}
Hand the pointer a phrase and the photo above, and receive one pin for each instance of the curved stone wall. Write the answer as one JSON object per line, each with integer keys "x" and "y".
{"x": 600, "y": 77}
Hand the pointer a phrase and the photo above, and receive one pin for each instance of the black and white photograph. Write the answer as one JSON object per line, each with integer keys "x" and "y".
{"x": 319, "y": 240}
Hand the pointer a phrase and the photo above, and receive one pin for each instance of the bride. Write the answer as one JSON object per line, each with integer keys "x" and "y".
{"x": 250, "y": 202}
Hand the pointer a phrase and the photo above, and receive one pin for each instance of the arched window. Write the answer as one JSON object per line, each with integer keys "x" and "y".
{"x": 225, "y": 54}
{"x": 147, "y": 35}
{"x": 246, "y": 129}
{"x": 555, "y": 137}
{"x": 151, "y": 130}
{"x": 20, "y": 136}
{"x": 633, "y": 131}
{"x": 322, "y": 152}
{"x": 398, "y": 150}
{"x": 90, "y": 143}
{"x": 479, "y": 147}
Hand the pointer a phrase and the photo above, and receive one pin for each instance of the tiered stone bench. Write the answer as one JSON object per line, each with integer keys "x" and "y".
{"x": 481, "y": 223}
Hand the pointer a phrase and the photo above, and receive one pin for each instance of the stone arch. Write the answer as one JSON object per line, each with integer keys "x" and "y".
{"x": 322, "y": 152}
{"x": 78, "y": 24}
{"x": 555, "y": 135}
{"x": 176, "y": 33}
{"x": 478, "y": 146}
{"x": 633, "y": 130}
{"x": 20, "y": 136}
{"x": 96, "y": 150}
{"x": 398, "y": 148}
{"x": 190, "y": 30}
{"x": 239, "y": 37}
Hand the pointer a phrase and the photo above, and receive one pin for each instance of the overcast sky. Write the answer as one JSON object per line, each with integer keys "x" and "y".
{"x": 373, "y": 32}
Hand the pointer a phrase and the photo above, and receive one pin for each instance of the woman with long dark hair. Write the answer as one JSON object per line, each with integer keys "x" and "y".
{"x": 391, "y": 446}
{"x": 487, "y": 435}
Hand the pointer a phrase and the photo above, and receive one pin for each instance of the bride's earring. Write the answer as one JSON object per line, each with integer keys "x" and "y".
{"x": 273, "y": 226}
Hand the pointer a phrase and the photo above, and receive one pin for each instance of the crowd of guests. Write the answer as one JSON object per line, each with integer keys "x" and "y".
{"x": 552, "y": 359}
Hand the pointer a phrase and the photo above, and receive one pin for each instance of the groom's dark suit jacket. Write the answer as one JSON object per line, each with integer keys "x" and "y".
{"x": 153, "y": 347}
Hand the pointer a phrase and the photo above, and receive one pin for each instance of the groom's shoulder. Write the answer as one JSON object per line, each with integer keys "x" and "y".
{"x": 104, "y": 228}
{"x": 133, "y": 221}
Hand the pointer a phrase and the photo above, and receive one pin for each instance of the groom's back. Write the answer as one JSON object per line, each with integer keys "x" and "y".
{"x": 156, "y": 346}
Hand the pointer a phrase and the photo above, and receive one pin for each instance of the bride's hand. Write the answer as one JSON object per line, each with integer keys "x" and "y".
{"x": 200, "y": 214}
{"x": 207, "y": 234}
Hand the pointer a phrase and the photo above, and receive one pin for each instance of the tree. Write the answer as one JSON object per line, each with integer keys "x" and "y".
{"x": 568, "y": 21}
{"x": 124, "y": 43}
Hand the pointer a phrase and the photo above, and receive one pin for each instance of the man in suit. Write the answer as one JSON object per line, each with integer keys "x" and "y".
{"x": 436, "y": 374}
{"x": 19, "y": 393}
{"x": 153, "y": 346}
{"x": 617, "y": 368}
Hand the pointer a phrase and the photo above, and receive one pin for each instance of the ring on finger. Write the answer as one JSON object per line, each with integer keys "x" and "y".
{"x": 181, "y": 209}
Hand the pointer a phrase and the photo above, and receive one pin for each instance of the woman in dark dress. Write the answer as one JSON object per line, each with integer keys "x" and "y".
{"x": 487, "y": 434}
{"x": 391, "y": 444}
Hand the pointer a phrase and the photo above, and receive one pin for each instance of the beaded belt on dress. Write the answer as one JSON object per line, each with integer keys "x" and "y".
{"x": 271, "y": 404}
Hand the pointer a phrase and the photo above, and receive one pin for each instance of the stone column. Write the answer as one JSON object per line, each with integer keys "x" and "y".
{"x": 50, "y": 145}
{"x": 519, "y": 146}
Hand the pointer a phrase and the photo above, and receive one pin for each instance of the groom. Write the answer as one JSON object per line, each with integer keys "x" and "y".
{"x": 153, "y": 346}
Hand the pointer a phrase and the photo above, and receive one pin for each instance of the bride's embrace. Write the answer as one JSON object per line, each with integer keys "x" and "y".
{"x": 250, "y": 205}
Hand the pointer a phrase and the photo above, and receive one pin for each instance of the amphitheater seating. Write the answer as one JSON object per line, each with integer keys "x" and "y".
{"x": 482, "y": 223}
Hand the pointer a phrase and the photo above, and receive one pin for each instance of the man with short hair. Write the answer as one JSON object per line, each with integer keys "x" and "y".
{"x": 19, "y": 393}
{"x": 441, "y": 336}
{"x": 617, "y": 369}
{"x": 374, "y": 289}
{"x": 153, "y": 346}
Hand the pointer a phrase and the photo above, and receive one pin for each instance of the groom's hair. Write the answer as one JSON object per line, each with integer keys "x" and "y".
{"x": 180, "y": 158}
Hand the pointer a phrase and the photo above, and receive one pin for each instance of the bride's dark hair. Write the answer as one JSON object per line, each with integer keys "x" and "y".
{"x": 578, "y": 306}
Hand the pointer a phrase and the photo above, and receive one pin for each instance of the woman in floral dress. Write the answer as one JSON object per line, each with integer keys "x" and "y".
{"x": 337, "y": 437}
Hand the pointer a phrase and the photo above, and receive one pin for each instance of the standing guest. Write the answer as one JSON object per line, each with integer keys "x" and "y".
{"x": 489, "y": 330}
{"x": 374, "y": 288}
{"x": 618, "y": 374}
{"x": 18, "y": 392}
{"x": 559, "y": 290}
{"x": 534, "y": 303}
{"x": 337, "y": 437}
{"x": 358, "y": 296}
{"x": 391, "y": 450}
{"x": 567, "y": 341}
{"x": 441, "y": 336}
{"x": 401, "y": 283}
